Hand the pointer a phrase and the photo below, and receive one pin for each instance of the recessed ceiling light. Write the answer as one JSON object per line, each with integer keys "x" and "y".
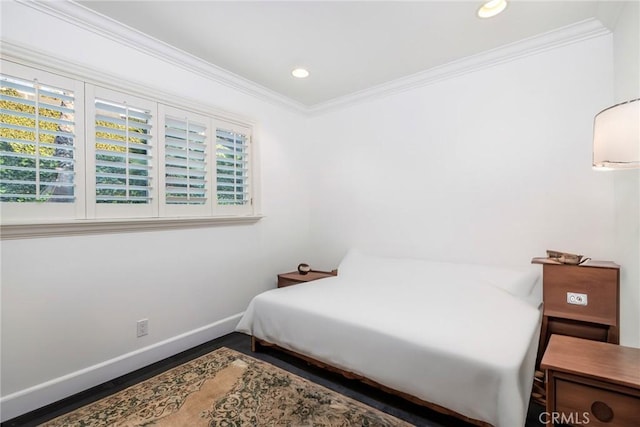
{"x": 300, "y": 73}
{"x": 492, "y": 8}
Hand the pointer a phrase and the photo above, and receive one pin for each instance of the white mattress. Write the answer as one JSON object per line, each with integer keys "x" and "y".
{"x": 460, "y": 343}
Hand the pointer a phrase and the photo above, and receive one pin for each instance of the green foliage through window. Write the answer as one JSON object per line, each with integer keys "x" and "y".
{"x": 36, "y": 142}
{"x": 122, "y": 153}
{"x": 232, "y": 167}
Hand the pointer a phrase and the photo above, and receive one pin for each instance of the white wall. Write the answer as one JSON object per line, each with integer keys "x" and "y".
{"x": 626, "y": 42}
{"x": 492, "y": 166}
{"x": 70, "y": 305}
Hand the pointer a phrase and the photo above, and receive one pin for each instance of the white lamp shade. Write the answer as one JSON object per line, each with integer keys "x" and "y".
{"x": 616, "y": 136}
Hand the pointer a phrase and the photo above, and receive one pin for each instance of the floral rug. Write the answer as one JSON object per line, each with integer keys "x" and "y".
{"x": 227, "y": 388}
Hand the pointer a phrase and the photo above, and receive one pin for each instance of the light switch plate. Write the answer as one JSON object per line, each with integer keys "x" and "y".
{"x": 576, "y": 298}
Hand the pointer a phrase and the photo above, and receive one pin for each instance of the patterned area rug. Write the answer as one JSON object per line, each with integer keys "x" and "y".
{"x": 227, "y": 388}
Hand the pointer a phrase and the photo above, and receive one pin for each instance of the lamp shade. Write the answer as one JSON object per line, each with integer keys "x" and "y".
{"x": 616, "y": 136}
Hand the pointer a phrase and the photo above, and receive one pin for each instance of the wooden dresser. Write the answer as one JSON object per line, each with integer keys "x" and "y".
{"x": 579, "y": 301}
{"x": 591, "y": 383}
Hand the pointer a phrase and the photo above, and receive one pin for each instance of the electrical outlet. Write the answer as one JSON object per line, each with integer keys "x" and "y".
{"x": 576, "y": 298}
{"x": 142, "y": 327}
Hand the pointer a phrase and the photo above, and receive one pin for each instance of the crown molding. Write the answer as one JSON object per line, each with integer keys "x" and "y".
{"x": 106, "y": 27}
{"x": 29, "y": 56}
{"x": 90, "y": 20}
{"x": 554, "y": 39}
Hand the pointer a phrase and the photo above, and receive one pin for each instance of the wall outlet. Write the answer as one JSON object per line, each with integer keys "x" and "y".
{"x": 142, "y": 327}
{"x": 576, "y": 298}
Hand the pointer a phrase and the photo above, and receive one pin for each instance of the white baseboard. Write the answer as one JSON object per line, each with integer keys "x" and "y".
{"x": 40, "y": 395}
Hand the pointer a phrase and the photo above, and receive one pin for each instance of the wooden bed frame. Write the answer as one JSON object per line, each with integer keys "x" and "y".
{"x": 257, "y": 343}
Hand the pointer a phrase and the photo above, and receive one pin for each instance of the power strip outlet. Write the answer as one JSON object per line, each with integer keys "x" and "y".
{"x": 576, "y": 298}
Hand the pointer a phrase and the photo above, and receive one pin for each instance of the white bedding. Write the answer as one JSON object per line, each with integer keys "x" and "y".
{"x": 460, "y": 336}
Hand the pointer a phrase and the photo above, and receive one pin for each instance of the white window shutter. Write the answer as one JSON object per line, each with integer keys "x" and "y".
{"x": 184, "y": 163}
{"x": 233, "y": 173}
{"x": 121, "y": 149}
{"x": 40, "y": 157}
{"x": 74, "y": 150}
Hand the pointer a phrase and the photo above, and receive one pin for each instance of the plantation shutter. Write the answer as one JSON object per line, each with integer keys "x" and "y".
{"x": 37, "y": 145}
{"x": 123, "y": 146}
{"x": 185, "y": 163}
{"x": 73, "y": 150}
{"x": 232, "y": 166}
{"x": 123, "y": 157}
{"x": 41, "y": 162}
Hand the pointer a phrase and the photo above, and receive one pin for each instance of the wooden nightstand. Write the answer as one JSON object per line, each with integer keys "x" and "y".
{"x": 293, "y": 278}
{"x": 598, "y": 320}
{"x": 591, "y": 383}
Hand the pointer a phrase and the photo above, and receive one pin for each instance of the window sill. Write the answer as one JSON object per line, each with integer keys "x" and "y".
{"x": 80, "y": 227}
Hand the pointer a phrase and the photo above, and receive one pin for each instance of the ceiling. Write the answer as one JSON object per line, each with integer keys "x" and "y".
{"x": 346, "y": 46}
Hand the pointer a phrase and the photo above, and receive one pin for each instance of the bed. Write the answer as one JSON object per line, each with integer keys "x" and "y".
{"x": 460, "y": 338}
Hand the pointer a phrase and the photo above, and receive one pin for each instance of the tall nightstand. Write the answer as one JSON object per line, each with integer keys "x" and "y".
{"x": 591, "y": 383}
{"x": 596, "y": 285}
{"x": 579, "y": 301}
{"x": 294, "y": 278}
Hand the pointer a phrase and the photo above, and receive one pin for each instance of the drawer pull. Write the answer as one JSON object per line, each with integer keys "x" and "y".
{"x": 602, "y": 411}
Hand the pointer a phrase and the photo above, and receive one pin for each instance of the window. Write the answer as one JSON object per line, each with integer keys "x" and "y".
{"x": 194, "y": 184}
{"x": 120, "y": 151}
{"x": 40, "y": 158}
{"x": 185, "y": 163}
{"x": 232, "y": 166}
{"x": 123, "y": 153}
{"x": 73, "y": 150}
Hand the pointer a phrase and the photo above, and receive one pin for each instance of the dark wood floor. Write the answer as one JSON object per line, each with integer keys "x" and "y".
{"x": 394, "y": 405}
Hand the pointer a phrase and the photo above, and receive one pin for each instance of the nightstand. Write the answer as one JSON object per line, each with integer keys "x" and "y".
{"x": 597, "y": 285}
{"x": 591, "y": 383}
{"x": 294, "y": 278}
{"x": 579, "y": 301}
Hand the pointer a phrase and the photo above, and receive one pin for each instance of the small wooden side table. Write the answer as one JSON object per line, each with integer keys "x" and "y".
{"x": 294, "y": 277}
{"x": 591, "y": 382}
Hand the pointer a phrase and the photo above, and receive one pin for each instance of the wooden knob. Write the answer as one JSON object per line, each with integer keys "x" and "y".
{"x": 602, "y": 411}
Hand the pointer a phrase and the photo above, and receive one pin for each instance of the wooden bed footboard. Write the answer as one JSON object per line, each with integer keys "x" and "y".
{"x": 257, "y": 343}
